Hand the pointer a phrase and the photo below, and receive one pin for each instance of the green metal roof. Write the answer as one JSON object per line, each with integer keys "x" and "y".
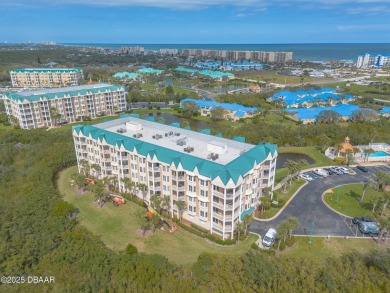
{"x": 45, "y": 70}
{"x": 233, "y": 170}
{"x": 61, "y": 92}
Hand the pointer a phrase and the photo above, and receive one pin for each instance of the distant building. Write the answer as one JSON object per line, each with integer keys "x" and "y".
{"x": 232, "y": 111}
{"x": 126, "y": 75}
{"x": 132, "y": 50}
{"x": 310, "y": 98}
{"x": 34, "y": 109}
{"x": 45, "y": 77}
{"x": 270, "y": 57}
{"x": 373, "y": 60}
{"x": 165, "y": 51}
{"x": 219, "y": 180}
{"x": 309, "y": 115}
{"x": 150, "y": 71}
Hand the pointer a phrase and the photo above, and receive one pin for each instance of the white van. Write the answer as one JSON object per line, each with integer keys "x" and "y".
{"x": 269, "y": 238}
{"x": 321, "y": 172}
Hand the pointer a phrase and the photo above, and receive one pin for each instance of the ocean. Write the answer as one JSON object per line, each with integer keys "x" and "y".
{"x": 309, "y": 52}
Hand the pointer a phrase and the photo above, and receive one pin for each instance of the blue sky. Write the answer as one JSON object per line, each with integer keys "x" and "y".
{"x": 195, "y": 21}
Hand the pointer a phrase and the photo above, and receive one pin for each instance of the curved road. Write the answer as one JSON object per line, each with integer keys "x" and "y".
{"x": 307, "y": 207}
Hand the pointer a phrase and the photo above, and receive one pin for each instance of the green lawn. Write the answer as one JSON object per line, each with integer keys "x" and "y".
{"x": 272, "y": 76}
{"x": 117, "y": 227}
{"x": 348, "y": 200}
{"x": 312, "y": 152}
{"x": 281, "y": 196}
{"x": 320, "y": 248}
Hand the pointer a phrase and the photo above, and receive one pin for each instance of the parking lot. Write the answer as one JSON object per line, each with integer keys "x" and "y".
{"x": 308, "y": 208}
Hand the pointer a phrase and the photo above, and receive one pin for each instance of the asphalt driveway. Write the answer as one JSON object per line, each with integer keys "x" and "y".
{"x": 308, "y": 208}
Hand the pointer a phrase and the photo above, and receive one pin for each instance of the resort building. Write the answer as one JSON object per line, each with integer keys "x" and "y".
{"x": 126, "y": 75}
{"x": 309, "y": 115}
{"x": 147, "y": 70}
{"x": 232, "y": 111}
{"x": 45, "y": 77}
{"x": 216, "y": 75}
{"x": 310, "y": 98}
{"x": 373, "y": 152}
{"x": 48, "y": 107}
{"x": 218, "y": 179}
{"x": 373, "y": 60}
{"x": 269, "y": 57}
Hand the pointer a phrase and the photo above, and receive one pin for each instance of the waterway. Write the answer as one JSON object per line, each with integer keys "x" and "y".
{"x": 282, "y": 158}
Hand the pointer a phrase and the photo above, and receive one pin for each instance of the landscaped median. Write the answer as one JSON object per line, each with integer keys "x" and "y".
{"x": 282, "y": 198}
{"x": 118, "y": 226}
{"x": 344, "y": 199}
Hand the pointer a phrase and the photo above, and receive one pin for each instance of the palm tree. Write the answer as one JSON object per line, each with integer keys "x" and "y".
{"x": 247, "y": 221}
{"x": 180, "y": 207}
{"x": 292, "y": 224}
{"x": 144, "y": 188}
{"x": 349, "y": 156}
{"x": 155, "y": 201}
{"x": 55, "y": 115}
{"x": 282, "y": 232}
{"x": 78, "y": 179}
{"x": 166, "y": 201}
{"x": 240, "y": 228}
{"x": 292, "y": 167}
{"x": 384, "y": 225}
{"x": 386, "y": 199}
{"x": 96, "y": 169}
{"x": 127, "y": 183}
{"x": 338, "y": 147}
{"x": 302, "y": 163}
{"x": 367, "y": 153}
{"x": 97, "y": 189}
{"x": 85, "y": 167}
{"x": 366, "y": 184}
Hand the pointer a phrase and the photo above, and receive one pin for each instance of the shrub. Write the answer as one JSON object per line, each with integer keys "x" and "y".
{"x": 158, "y": 108}
{"x": 200, "y": 229}
{"x": 131, "y": 249}
{"x": 6, "y": 124}
{"x": 150, "y": 107}
{"x": 282, "y": 246}
{"x": 290, "y": 241}
{"x": 254, "y": 246}
{"x": 339, "y": 161}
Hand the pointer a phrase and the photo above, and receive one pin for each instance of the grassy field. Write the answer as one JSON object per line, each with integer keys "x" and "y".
{"x": 348, "y": 200}
{"x": 117, "y": 227}
{"x": 312, "y": 152}
{"x": 272, "y": 76}
{"x": 320, "y": 248}
{"x": 281, "y": 196}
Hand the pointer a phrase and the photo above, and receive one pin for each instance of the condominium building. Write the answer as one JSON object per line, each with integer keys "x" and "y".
{"x": 217, "y": 178}
{"x": 373, "y": 60}
{"x": 167, "y": 51}
{"x": 132, "y": 50}
{"x": 48, "y": 107}
{"x": 271, "y": 57}
{"x": 45, "y": 77}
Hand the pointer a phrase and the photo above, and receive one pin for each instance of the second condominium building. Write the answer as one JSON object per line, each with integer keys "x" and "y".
{"x": 36, "y": 108}
{"x": 272, "y": 57}
{"x": 217, "y": 178}
{"x": 45, "y": 77}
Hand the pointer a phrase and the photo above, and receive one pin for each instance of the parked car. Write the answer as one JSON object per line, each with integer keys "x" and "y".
{"x": 321, "y": 172}
{"x": 330, "y": 171}
{"x": 357, "y": 220}
{"x": 306, "y": 177}
{"x": 312, "y": 175}
{"x": 269, "y": 237}
{"x": 345, "y": 170}
{"x": 368, "y": 228}
{"x": 362, "y": 168}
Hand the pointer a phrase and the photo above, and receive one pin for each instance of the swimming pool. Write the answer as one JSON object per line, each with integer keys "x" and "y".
{"x": 378, "y": 154}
